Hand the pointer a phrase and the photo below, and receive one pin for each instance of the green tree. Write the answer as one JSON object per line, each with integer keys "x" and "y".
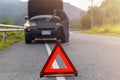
{"x": 112, "y": 11}
{"x": 86, "y": 21}
{"x": 75, "y": 24}
{"x": 107, "y": 13}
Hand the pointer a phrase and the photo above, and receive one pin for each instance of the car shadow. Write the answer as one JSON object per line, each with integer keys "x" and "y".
{"x": 43, "y": 41}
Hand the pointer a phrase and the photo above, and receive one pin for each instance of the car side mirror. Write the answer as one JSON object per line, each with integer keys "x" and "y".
{"x": 26, "y": 18}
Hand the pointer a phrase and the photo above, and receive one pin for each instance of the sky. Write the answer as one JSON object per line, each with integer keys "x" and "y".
{"x": 82, "y": 4}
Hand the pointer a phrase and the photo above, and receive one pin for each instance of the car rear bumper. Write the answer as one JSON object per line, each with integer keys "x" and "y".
{"x": 43, "y": 33}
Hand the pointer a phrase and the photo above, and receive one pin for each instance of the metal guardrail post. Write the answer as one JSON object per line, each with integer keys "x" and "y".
{"x": 4, "y": 37}
{"x": 17, "y": 33}
{"x": 8, "y": 28}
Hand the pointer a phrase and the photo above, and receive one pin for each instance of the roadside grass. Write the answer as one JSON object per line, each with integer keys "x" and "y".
{"x": 106, "y": 30}
{"x": 11, "y": 39}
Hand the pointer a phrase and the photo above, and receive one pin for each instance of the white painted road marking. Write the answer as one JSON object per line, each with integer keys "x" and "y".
{"x": 55, "y": 64}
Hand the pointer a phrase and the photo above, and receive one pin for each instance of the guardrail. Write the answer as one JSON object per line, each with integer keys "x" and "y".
{"x": 8, "y": 28}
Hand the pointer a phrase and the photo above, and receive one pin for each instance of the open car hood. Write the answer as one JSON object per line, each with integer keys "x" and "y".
{"x": 43, "y": 7}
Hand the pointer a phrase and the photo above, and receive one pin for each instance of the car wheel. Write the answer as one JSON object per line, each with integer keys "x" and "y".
{"x": 27, "y": 38}
{"x": 62, "y": 36}
{"x": 63, "y": 39}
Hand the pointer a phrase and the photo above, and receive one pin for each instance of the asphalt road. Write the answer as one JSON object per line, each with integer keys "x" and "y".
{"x": 95, "y": 58}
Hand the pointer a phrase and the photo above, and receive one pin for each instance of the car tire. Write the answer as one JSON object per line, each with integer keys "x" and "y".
{"x": 28, "y": 39}
{"x": 62, "y": 37}
{"x": 62, "y": 40}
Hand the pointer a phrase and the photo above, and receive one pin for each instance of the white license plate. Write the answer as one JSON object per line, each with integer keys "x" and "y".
{"x": 46, "y": 32}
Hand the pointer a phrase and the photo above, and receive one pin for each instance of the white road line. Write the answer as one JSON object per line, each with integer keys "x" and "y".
{"x": 55, "y": 64}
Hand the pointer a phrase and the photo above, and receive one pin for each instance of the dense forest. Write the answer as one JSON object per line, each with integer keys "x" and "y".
{"x": 108, "y": 13}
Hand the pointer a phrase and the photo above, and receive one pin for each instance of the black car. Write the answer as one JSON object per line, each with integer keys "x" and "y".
{"x": 37, "y": 25}
{"x": 40, "y": 27}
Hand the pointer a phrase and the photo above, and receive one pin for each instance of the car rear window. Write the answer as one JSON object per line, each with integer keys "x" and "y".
{"x": 43, "y": 18}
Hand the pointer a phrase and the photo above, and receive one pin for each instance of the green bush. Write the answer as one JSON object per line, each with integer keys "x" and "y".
{"x": 11, "y": 39}
{"x": 104, "y": 30}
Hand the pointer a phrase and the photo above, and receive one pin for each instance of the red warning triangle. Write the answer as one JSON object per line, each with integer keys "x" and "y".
{"x": 48, "y": 71}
